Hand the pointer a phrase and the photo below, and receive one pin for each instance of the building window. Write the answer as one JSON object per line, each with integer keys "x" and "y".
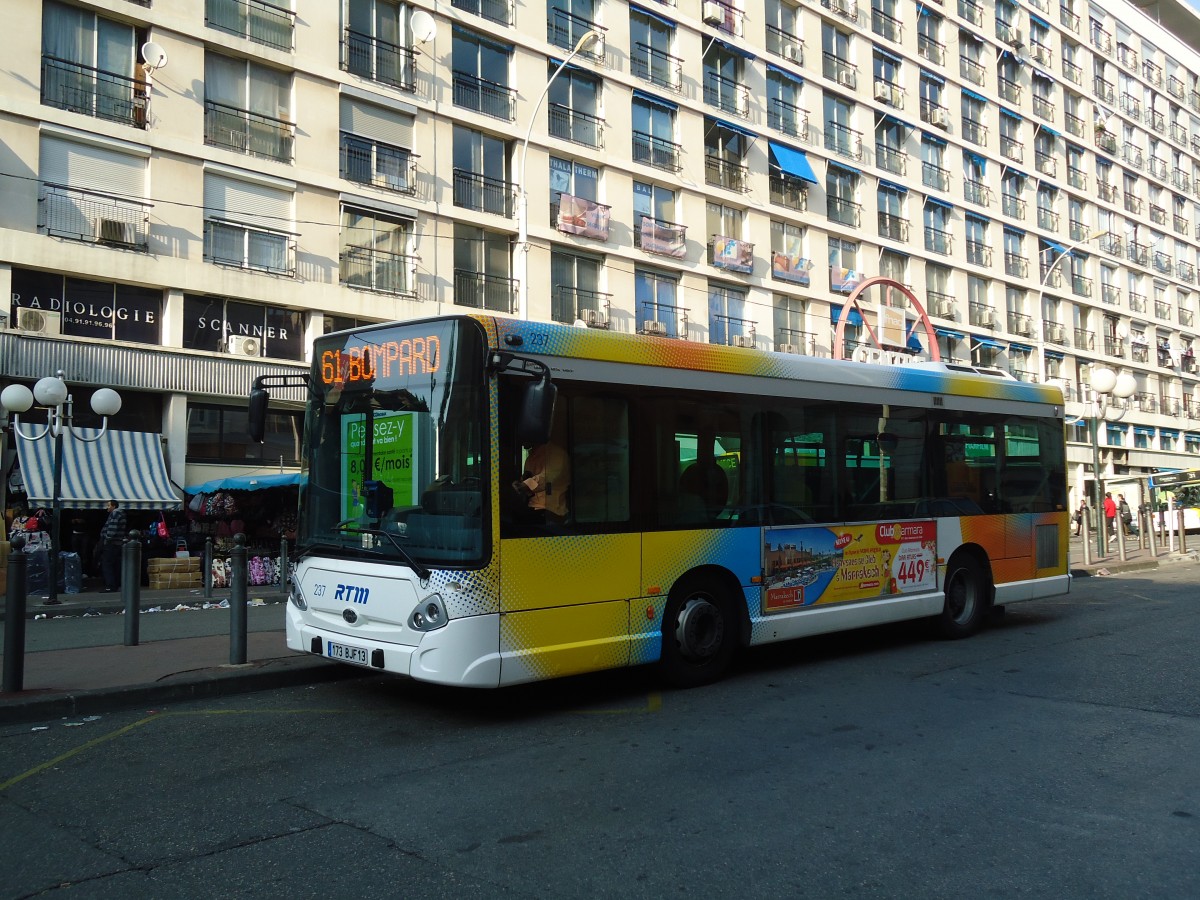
{"x": 222, "y": 325}
{"x": 220, "y": 434}
{"x": 654, "y": 134}
{"x": 574, "y": 108}
{"x": 376, "y": 146}
{"x": 481, "y": 180}
{"x": 650, "y": 42}
{"x": 374, "y": 252}
{"x": 374, "y": 43}
{"x": 248, "y": 108}
{"x": 245, "y": 225}
{"x": 483, "y": 269}
{"x": 264, "y": 23}
{"x": 727, "y": 322}
{"x": 656, "y": 295}
{"x": 79, "y": 307}
{"x": 575, "y": 289}
{"x": 481, "y": 74}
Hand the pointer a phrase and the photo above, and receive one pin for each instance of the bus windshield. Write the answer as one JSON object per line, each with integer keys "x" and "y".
{"x": 395, "y": 445}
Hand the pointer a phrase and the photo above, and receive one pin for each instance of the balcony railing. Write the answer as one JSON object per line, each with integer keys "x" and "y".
{"x": 664, "y": 320}
{"x": 1075, "y": 124}
{"x": 971, "y": 11}
{"x": 847, "y": 9}
{"x": 727, "y": 17}
{"x": 977, "y": 192}
{"x": 1179, "y": 133}
{"x": 575, "y": 126}
{"x": 1016, "y": 265}
{"x": 1127, "y": 56}
{"x": 843, "y": 141}
{"x": 971, "y": 70}
{"x": 729, "y": 253}
{"x": 1051, "y": 277}
{"x": 937, "y": 240}
{"x": 1009, "y": 89}
{"x": 1077, "y": 178}
{"x": 242, "y": 131}
{"x": 1114, "y": 346}
{"x": 1012, "y": 206}
{"x": 844, "y": 212}
{"x": 1185, "y": 317}
{"x": 570, "y": 304}
{"x": 660, "y": 237}
{"x": 1103, "y": 89}
{"x": 378, "y": 60}
{"x": 1137, "y": 302}
{"x": 1131, "y": 106}
{"x": 1020, "y": 324}
{"x": 1132, "y": 155}
{"x": 487, "y": 97}
{"x": 893, "y": 227}
{"x": 1085, "y": 340}
{"x": 1043, "y": 107}
{"x": 564, "y": 29}
{"x": 94, "y": 218}
{"x": 1068, "y": 18}
{"x": 1175, "y": 87}
{"x": 364, "y": 161}
{"x": 1158, "y": 168}
{"x": 580, "y": 216}
{"x": 1110, "y": 294}
{"x": 656, "y": 67}
{"x": 935, "y": 176}
{"x": 781, "y": 43}
{"x": 1181, "y": 179}
{"x": 1162, "y": 309}
{"x": 241, "y": 246}
{"x": 974, "y": 131}
{"x": 890, "y": 159}
{"x": 1158, "y": 121}
{"x": 928, "y": 48}
{"x": 94, "y": 92}
{"x": 981, "y": 315}
{"x": 941, "y": 304}
{"x": 837, "y": 69}
{"x": 788, "y": 118}
{"x": 935, "y": 114}
{"x": 1078, "y": 230}
{"x": 1011, "y": 148}
{"x": 788, "y": 191}
{"x": 480, "y": 290}
{"x": 1139, "y": 352}
{"x": 1081, "y": 286}
{"x": 376, "y": 270}
{"x": 979, "y": 253}
{"x": 1112, "y": 243}
{"x": 1179, "y": 223}
{"x": 1072, "y": 72}
{"x": 1133, "y": 204}
{"x": 656, "y": 151}
{"x": 1163, "y": 262}
{"x": 1047, "y": 219}
{"x": 500, "y": 11}
{"x": 886, "y": 26}
{"x": 726, "y": 174}
{"x": 1158, "y": 215}
{"x": 1108, "y": 192}
{"x": 890, "y": 93}
{"x": 1041, "y": 53}
{"x": 726, "y": 94}
{"x": 482, "y": 193}
{"x": 263, "y": 23}
{"x": 1185, "y": 271}
{"x": 1101, "y": 39}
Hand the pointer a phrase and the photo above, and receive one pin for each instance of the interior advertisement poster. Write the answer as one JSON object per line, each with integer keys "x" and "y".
{"x": 392, "y": 459}
{"x": 810, "y": 565}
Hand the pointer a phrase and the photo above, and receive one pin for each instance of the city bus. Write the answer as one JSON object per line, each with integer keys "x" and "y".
{"x": 696, "y": 499}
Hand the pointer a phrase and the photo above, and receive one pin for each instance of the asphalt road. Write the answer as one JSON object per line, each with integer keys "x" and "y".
{"x": 1054, "y": 755}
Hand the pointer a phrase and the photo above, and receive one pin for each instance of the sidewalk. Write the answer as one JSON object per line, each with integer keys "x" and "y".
{"x": 90, "y": 680}
{"x": 1135, "y": 557}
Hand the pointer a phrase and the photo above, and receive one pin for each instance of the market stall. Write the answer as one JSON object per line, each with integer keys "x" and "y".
{"x": 262, "y": 507}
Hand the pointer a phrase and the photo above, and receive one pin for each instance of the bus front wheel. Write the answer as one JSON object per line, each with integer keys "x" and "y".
{"x": 967, "y": 599}
{"x": 698, "y": 636}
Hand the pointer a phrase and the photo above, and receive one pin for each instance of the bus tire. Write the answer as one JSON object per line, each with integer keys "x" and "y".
{"x": 699, "y": 635}
{"x": 968, "y": 598}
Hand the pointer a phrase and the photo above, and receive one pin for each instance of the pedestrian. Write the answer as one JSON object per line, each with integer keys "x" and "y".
{"x": 1080, "y": 514}
{"x": 1126, "y": 515}
{"x": 111, "y": 537}
{"x": 1110, "y": 513}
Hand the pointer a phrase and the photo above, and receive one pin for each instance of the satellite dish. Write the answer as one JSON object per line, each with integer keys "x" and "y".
{"x": 423, "y": 27}
{"x": 153, "y": 55}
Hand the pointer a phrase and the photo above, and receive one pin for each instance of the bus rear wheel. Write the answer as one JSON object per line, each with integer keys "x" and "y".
{"x": 967, "y": 599}
{"x": 698, "y": 637}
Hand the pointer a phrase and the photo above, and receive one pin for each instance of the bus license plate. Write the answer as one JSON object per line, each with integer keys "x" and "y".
{"x": 347, "y": 654}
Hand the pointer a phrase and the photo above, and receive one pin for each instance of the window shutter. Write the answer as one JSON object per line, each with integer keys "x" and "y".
{"x": 367, "y": 120}
{"x": 89, "y": 167}
{"x": 247, "y": 202}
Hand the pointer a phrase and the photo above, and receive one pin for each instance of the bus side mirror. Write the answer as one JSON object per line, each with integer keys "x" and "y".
{"x": 259, "y": 399}
{"x": 537, "y": 412}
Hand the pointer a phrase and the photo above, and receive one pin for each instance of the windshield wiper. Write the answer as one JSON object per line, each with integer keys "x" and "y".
{"x": 423, "y": 572}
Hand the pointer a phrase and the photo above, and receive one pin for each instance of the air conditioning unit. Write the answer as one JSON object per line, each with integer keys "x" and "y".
{"x": 1054, "y": 332}
{"x": 787, "y": 348}
{"x": 745, "y": 341}
{"x": 940, "y": 117}
{"x": 944, "y": 308}
{"x": 713, "y": 13}
{"x": 883, "y": 91}
{"x": 593, "y": 318}
{"x": 37, "y": 321}
{"x": 653, "y": 326}
{"x": 113, "y": 231}
{"x": 841, "y": 6}
{"x": 845, "y": 77}
{"x": 243, "y": 345}
{"x": 1015, "y": 37}
{"x": 987, "y": 318}
{"x": 791, "y": 52}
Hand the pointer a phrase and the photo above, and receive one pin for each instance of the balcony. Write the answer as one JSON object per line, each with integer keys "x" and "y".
{"x": 1144, "y": 401}
{"x": 787, "y": 118}
{"x": 483, "y": 194}
{"x": 1103, "y": 89}
{"x": 980, "y": 315}
{"x": 1011, "y": 148}
{"x": 1181, "y": 180}
{"x": 1109, "y": 192}
{"x": 843, "y": 141}
{"x": 1085, "y": 340}
{"x": 660, "y": 237}
{"x": 1137, "y": 302}
{"x": 941, "y": 304}
{"x": 938, "y": 241}
{"x": 371, "y": 269}
{"x": 847, "y": 9}
{"x": 977, "y": 192}
{"x": 1185, "y": 271}
{"x": 1072, "y": 72}
{"x": 935, "y": 176}
{"x": 791, "y": 267}
{"x": 1158, "y": 215}
{"x": 1175, "y": 87}
{"x": 979, "y": 253}
{"x": 245, "y": 132}
{"x": 844, "y": 212}
{"x": 1179, "y": 133}
{"x": 1158, "y": 168}
{"x": 1045, "y": 163}
{"x": 94, "y": 218}
{"x": 1139, "y": 351}
{"x": 483, "y": 96}
{"x": 1043, "y": 107}
{"x": 1047, "y": 219}
{"x": 974, "y": 131}
{"x": 788, "y": 191}
{"x": 1068, "y": 18}
{"x": 890, "y": 93}
{"x": 726, "y": 94}
{"x": 262, "y": 23}
{"x": 1075, "y": 124}
{"x": 580, "y": 216}
{"x": 728, "y": 18}
{"x": 724, "y": 173}
{"x": 1132, "y": 155}
{"x": 655, "y": 66}
{"x": 1101, "y": 39}
{"x": 928, "y": 48}
{"x": 1163, "y": 263}
{"x": 1114, "y": 346}
{"x": 94, "y": 92}
{"x": 378, "y": 60}
{"x": 1011, "y": 206}
{"x": 1133, "y": 204}
{"x": 499, "y": 11}
{"x": 891, "y": 159}
{"x": 664, "y": 320}
{"x": 935, "y": 114}
{"x": 1158, "y": 122}
{"x": 1112, "y": 243}
{"x": 479, "y": 290}
{"x": 1138, "y": 253}
{"x": 575, "y": 304}
{"x": 798, "y": 341}
{"x": 1020, "y": 324}
{"x": 971, "y": 11}
{"x": 564, "y": 30}
{"x": 1077, "y": 178}
{"x": 893, "y": 227}
{"x": 837, "y": 69}
{"x": 731, "y": 254}
{"x": 886, "y": 26}
{"x": 1106, "y": 142}
{"x": 656, "y": 151}
{"x": 1131, "y": 106}
{"x": 1110, "y": 294}
{"x": 239, "y": 246}
{"x": 1009, "y": 90}
{"x": 971, "y": 70}
{"x": 364, "y": 161}
{"x": 1023, "y": 374}
{"x": 1179, "y": 223}
{"x": 1051, "y": 277}
{"x": 575, "y": 126}
{"x": 781, "y": 43}
{"x": 1127, "y": 56}
{"x": 1081, "y": 286}
{"x": 1054, "y": 332}
{"x": 1016, "y": 265}
{"x": 1152, "y": 72}
{"x": 1041, "y": 53}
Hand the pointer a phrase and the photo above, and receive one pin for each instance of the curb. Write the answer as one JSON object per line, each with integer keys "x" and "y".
{"x": 200, "y": 684}
{"x": 78, "y": 608}
{"x": 1116, "y": 568}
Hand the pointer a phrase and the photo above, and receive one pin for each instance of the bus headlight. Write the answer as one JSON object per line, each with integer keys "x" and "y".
{"x": 296, "y": 595}
{"x": 430, "y": 614}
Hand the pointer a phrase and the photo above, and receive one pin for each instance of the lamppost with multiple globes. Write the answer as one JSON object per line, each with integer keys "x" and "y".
{"x": 51, "y": 394}
{"x": 1105, "y": 384}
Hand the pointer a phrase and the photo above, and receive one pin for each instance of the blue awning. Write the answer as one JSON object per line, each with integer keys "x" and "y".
{"x": 1039, "y": 21}
{"x": 1020, "y": 348}
{"x": 1010, "y": 114}
{"x": 1014, "y": 230}
{"x": 790, "y": 76}
{"x": 1049, "y": 130}
{"x": 1043, "y": 75}
{"x": 901, "y": 122}
{"x": 888, "y": 56}
{"x": 974, "y": 96}
{"x": 891, "y": 185}
{"x": 933, "y": 138}
{"x": 1192, "y": 438}
{"x": 246, "y": 483}
{"x": 854, "y": 318}
{"x": 1143, "y": 430}
{"x": 936, "y": 79}
{"x": 1014, "y": 170}
{"x": 844, "y": 167}
{"x": 736, "y": 129}
{"x": 653, "y": 15}
{"x": 1054, "y": 245}
{"x": 989, "y": 343}
{"x": 950, "y": 334}
{"x": 650, "y": 98}
{"x": 936, "y": 202}
{"x": 977, "y": 159}
{"x": 126, "y": 466}
{"x": 981, "y": 220}
{"x": 914, "y": 338}
{"x": 1169, "y": 432}
{"x": 793, "y": 162}
{"x": 1117, "y": 427}
{"x": 1055, "y": 354}
{"x": 735, "y": 50}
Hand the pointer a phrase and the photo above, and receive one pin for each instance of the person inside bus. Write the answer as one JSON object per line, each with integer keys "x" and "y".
{"x": 545, "y": 482}
{"x": 703, "y": 486}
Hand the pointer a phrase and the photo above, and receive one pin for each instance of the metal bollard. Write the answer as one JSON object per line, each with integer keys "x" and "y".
{"x": 207, "y": 563}
{"x": 1121, "y": 540}
{"x": 1182, "y": 533}
{"x": 1143, "y": 519}
{"x": 1085, "y": 533}
{"x": 237, "y": 601}
{"x": 14, "y": 618}
{"x": 283, "y": 564}
{"x": 1152, "y": 528}
{"x": 131, "y": 586}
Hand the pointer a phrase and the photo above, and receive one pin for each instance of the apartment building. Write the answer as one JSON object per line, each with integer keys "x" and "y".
{"x": 190, "y": 192}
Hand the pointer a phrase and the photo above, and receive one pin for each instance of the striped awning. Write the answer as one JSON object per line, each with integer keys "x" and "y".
{"x": 126, "y": 466}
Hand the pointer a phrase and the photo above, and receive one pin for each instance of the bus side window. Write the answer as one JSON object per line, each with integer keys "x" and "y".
{"x": 599, "y": 450}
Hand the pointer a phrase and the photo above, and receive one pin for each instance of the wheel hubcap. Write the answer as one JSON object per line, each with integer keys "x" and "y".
{"x": 699, "y": 630}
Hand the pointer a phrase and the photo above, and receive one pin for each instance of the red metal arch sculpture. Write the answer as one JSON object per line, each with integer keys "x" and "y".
{"x": 852, "y": 303}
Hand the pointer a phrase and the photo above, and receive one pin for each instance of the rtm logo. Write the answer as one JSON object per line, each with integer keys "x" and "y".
{"x": 351, "y": 593}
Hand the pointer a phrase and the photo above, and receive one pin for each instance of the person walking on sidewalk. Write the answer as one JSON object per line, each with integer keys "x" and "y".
{"x": 1110, "y": 513}
{"x": 111, "y": 536}
{"x": 1126, "y": 515}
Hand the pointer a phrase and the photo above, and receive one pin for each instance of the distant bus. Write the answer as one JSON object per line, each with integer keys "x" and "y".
{"x": 703, "y": 499}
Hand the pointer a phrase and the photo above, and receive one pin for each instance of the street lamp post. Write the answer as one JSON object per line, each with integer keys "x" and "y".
{"x": 522, "y": 193}
{"x": 1066, "y": 251}
{"x": 51, "y": 394}
{"x": 1105, "y": 383}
